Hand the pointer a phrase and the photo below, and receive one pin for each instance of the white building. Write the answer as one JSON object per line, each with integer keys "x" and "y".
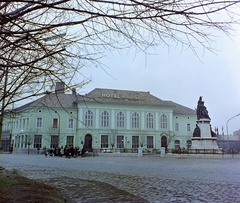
{"x": 101, "y": 119}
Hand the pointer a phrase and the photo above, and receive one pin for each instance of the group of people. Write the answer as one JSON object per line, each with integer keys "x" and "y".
{"x": 67, "y": 151}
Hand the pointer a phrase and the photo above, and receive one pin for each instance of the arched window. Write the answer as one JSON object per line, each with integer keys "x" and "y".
{"x": 163, "y": 120}
{"x": 149, "y": 120}
{"x": 120, "y": 120}
{"x": 135, "y": 120}
{"x": 89, "y": 118}
{"x": 105, "y": 119}
{"x": 176, "y": 144}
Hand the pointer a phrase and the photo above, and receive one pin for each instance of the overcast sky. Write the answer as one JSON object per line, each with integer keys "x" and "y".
{"x": 180, "y": 76}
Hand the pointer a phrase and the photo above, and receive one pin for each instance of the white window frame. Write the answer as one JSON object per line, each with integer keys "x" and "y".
{"x": 37, "y": 143}
{"x": 39, "y": 123}
{"x": 104, "y": 141}
{"x": 55, "y": 121}
{"x": 120, "y": 141}
{"x": 150, "y": 141}
{"x": 149, "y": 121}
{"x": 105, "y": 119}
{"x": 120, "y": 119}
{"x": 188, "y": 127}
{"x": 135, "y": 141}
{"x": 53, "y": 139}
{"x": 135, "y": 120}
{"x": 89, "y": 118}
{"x": 163, "y": 121}
{"x": 70, "y": 140}
{"x": 177, "y": 127}
{"x": 70, "y": 123}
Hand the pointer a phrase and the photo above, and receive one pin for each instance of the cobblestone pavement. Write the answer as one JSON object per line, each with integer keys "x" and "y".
{"x": 135, "y": 179}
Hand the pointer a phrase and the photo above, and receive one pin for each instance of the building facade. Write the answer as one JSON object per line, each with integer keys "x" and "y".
{"x": 102, "y": 119}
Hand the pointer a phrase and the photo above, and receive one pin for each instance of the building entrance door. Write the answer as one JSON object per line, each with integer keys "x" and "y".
{"x": 164, "y": 141}
{"x": 88, "y": 142}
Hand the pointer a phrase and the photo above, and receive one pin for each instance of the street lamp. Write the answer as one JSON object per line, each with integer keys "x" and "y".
{"x": 229, "y": 120}
{"x": 227, "y": 126}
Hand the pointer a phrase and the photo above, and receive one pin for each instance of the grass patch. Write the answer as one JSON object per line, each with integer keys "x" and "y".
{"x": 16, "y": 188}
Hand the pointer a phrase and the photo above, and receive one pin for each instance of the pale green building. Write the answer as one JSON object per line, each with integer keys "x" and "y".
{"x": 102, "y": 119}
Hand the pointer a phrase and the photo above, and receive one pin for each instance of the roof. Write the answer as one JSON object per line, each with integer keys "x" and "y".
{"x": 52, "y": 100}
{"x": 123, "y": 97}
{"x": 133, "y": 97}
{"x": 180, "y": 109}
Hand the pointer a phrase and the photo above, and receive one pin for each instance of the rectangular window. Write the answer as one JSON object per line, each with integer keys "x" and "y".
{"x": 135, "y": 141}
{"x": 55, "y": 123}
{"x": 104, "y": 141}
{"x": 54, "y": 141}
{"x": 22, "y": 141}
{"x": 26, "y": 141}
{"x": 70, "y": 123}
{"x": 149, "y": 141}
{"x": 24, "y": 125}
{"x": 37, "y": 141}
{"x": 70, "y": 140}
{"x": 27, "y": 122}
{"x": 120, "y": 141}
{"x": 188, "y": 127}
{"x": 19, "y": 141}
{"x": 176, "y": 127}
{"x": 39, "y": 122}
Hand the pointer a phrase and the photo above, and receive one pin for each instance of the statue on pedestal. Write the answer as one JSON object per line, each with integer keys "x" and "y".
{"x": 201, "y": 110}
{"x": 203, "y": 138}
{"x": 196, "y": 132}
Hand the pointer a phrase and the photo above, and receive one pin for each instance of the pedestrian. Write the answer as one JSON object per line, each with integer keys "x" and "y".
{"x": 46, "y": 152}
{"x": 61, "y": 151}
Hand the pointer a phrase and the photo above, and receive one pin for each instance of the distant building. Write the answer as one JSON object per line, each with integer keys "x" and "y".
{"x": 229, "y": 142}
{"x": 101, "y": 119}
{"x": 236, "y": 133}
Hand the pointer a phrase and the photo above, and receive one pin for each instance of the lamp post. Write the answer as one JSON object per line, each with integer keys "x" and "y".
{"x": 227, "y": 126}
{"x": 229, "y": 120}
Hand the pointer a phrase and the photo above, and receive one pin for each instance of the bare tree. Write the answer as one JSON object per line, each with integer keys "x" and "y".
{"x": 142, "y": 138}
{"x": 113, "y": 138}
{"x": 29, "y": 141}
{"x": 43, "y": 41}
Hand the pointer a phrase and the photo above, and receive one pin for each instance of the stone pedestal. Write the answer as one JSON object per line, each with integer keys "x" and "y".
{"x": 140, "y": 152}
{"x": 205, "y": 141}
{"x": 162, "y": 151}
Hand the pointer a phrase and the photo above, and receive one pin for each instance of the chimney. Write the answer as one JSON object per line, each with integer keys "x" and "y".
{"x": 60, "y": 88}
{"x": 74, "y": 92}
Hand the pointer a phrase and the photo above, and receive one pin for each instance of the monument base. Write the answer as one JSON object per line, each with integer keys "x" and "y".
{"x": 204, "y": 143}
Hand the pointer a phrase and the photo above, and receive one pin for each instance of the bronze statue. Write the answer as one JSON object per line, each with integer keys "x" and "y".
{"x": 201, "y": 110}
{"x": 196, "y": 132}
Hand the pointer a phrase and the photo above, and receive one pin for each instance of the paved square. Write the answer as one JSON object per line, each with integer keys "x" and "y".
{"x": 155, "y": 179}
